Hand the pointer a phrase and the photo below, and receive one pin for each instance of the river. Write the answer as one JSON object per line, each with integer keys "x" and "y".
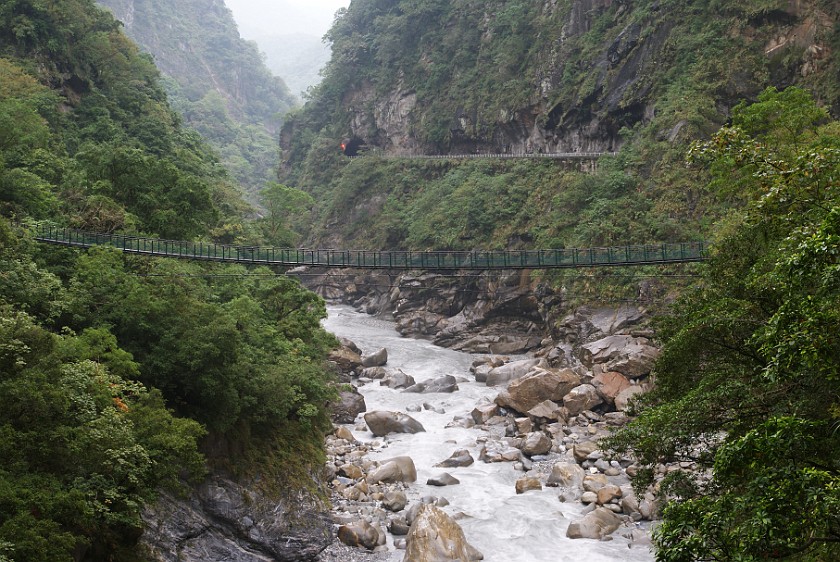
{"x": 504, "y": 526}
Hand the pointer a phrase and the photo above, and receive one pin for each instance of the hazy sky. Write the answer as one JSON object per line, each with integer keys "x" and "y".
{"x": 282, "y": 17}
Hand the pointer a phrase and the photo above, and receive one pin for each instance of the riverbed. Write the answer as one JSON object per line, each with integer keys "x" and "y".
{"x": 504, "y": 526}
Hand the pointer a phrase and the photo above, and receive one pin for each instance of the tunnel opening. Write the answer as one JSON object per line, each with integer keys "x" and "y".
{"x": 353, "y": 147}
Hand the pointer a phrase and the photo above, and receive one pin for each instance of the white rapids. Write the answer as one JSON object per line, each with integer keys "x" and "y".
{"x": 504, "y": 526}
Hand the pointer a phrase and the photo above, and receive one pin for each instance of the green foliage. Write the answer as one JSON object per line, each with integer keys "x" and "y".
{"x": 87, "y": 134}
{"x": 747, "y": 384}
{"x": 220, "y": 84}
{"x": 285, "y": 210}
{"x": 81, "y": 448}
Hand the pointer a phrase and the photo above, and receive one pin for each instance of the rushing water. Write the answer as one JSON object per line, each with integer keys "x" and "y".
{"x": 506, "y": 527}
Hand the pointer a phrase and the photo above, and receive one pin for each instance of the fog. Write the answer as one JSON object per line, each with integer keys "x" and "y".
{"x": 259, "y": 18}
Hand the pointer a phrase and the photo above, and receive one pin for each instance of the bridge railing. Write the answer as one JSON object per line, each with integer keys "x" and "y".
{"x": 479, "y": 259}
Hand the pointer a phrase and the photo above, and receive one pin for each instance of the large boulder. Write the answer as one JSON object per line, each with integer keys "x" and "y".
{"x": 566, "y": 475}
{"x": 436, "y": 537}
{"x": 348, "y": 406}
{"x": 536, "y": 443}
{"x": 398, "y": 469}
{"x": 510, "y": 371}
{"x": 596, "y": 524}
{"x": 446, "y": 383}
{"x": 580, "y": 398}
{"x": 610, "y": 384}
{"x": 624, "y": 397}
{"x": 394, "y": 500}
{"x": 360, "y": 533}
{"x": 536, "y": 387}
{"x": 484, "y": 412}
{"x": 377, "y": 359}
{"x": 346, "y": 359}
{"x": 548, "y": 410}
{"x": 631, "y": 356}
{"x": 397, "y": 379}
{"x": 382, "y": 422}
{"x": 603, "y": 350}
{"x": 636, "y": 360}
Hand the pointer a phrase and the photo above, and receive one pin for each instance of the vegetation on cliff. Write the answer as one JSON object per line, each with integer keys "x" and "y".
{"x": 216, "y": 81}
{"x": 116, "y": 373}
{"x": 644, "y": 77}
{"x": 747, "y": 385}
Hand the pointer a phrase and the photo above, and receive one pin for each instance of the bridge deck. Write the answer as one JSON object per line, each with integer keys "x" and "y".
{"x": 681, "y": 252}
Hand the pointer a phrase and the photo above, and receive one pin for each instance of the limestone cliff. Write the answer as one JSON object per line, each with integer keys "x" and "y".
{"x": 556, "y": 76}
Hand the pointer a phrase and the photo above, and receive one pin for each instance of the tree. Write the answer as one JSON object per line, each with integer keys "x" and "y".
{"x": 748, "y": 383}
{"x": 282, "y": 205}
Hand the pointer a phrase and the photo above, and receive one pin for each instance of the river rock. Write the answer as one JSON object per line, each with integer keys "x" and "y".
{"x": 398, "y": 526}
{"x": 536, "y": 387}
{"x": 610, "y": 384}
{"x": 398, "y": 469}
{"x": 608, "y": 493}
{"x": 624, "y": 397}
{"x": 635, "y": 360}
{"x": 583, "y": 449}
{"x": 536, "y": 443}
{"x": 446, "y": 383}
{"x": 436, "y": 537}
{"x": 527, "y": 483}
{"x": 348, "y": 406}
{"x": 360, "y": 533}
{"x": 580, "y": 398}
{"x": 444, "y": 479}
{"x": 596, "y": 524}
{"x": 377, "y": 359}
{"x": 346, "y": 359}
{"x": 342, "y": 432}
{"x": 394, "y": 500}
{"x": 549, "y": 411}
{"x": 374, "y": 373}
{"x": 510, "y": 371}
{"x": 461, "y": 457}
{"x": 397, "y": 379}
{"x": 566, "y": 474}
{"x": 480, "y": 372}
{"x": 382, "y": 422}
{"x": 493, "y": 451}
{"x": 484, "y": 412}
{"x": 604, "y": 350}
{"x": 594, "y": 482}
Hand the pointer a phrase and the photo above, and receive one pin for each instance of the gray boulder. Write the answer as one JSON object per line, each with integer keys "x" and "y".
{"x": 510, "y": 371}
{"x": 436, "y": 537}
{"x": 461, "y": 457}
{"x": 377, "y": 359}
{"x": 397, "y": 379}
{"x": 536, "y": 387}
{"x": 348, "y": 406}
{"x": 382, "y": 422}
{"x": 596, "y": 524}
{"x": 398, "y": 469}
{"x": 446, "y": 383}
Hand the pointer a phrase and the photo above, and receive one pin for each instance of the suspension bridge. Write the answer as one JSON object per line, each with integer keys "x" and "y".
{"x": 648, "y": 254}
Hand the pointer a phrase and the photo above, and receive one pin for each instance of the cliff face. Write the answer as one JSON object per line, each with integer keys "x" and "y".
{"x": 561, "y": 75}
{"x": 216, "y": 80}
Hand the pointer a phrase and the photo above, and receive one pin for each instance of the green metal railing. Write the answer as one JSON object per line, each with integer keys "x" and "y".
{"x": 681, "y": 252}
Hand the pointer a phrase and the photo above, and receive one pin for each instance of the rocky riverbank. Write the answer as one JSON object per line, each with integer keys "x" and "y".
{"x": 543, "y": 418}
